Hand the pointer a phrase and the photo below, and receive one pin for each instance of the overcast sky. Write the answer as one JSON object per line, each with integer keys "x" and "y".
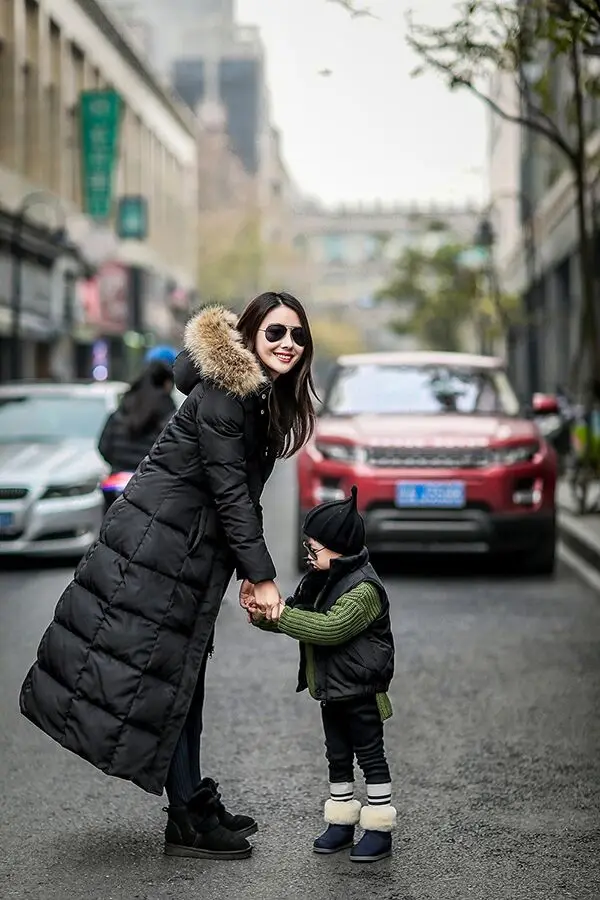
{"x": 368, "y": 130}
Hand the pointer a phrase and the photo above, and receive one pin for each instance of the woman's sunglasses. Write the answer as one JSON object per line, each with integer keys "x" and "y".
{"x": 313, "y": 554}
{"x": 274, "y": 333}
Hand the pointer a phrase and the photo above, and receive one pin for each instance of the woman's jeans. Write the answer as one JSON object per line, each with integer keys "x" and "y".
{"x": 184, "y": 776}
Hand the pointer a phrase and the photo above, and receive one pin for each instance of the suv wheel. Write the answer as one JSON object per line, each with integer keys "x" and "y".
{"x": 542, "y": 561}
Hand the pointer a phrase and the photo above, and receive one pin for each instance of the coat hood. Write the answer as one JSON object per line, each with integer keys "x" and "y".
{"x": 213, "y": 349}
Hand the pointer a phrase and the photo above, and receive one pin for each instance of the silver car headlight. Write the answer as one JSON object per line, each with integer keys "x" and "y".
{"x": 344, "y": 453}
{"x": 62, "y": 491}
{"x": 510, "y": 456}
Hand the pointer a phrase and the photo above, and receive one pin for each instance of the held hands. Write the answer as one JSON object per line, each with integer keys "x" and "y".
{"x": 262, "y": 599}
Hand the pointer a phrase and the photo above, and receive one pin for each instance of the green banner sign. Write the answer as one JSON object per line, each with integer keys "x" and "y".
{"x": 132, "y": 218}
{"x": 100, "y": 121}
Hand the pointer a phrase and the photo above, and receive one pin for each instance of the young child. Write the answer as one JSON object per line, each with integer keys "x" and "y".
{"x": 340, "y": 614}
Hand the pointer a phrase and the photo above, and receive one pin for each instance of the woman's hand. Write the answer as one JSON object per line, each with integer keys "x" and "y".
{"x": 267, "y": 599}
{"x": 247, "y": 599}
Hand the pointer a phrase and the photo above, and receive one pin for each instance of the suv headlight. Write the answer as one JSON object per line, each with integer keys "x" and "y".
{"x": 61, "y": 491}
{"x": 344, "y": 453}
{"x": 509, "y": 456}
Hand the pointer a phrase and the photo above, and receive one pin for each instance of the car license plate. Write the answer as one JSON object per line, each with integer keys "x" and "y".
{"x": 6, "y": 520}
{"x": 431, "y": 494}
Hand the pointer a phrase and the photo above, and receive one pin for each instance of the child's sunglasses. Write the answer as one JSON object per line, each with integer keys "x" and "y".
{"x": 313, "y": 554}
{"x": 274, "y": 333}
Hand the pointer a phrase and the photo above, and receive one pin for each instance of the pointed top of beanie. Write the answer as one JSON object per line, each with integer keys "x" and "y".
{"x": 337, "y": 525}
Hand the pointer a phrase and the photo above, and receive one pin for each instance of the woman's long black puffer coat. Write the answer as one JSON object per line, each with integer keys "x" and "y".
{"x": 117, "y": 667}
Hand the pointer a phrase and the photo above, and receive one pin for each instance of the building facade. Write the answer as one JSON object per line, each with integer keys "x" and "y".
{"x": 50, "y": 52}
{"x": 537, "y": 253}
{"x": 239, "y": 85}
{"x": 347, "y": 254}
{"x": 351, "y": 251}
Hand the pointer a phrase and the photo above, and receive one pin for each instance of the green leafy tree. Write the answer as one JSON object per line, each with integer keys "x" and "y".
{"x": 533, "y": 42}
{"x": 444, "y": 300}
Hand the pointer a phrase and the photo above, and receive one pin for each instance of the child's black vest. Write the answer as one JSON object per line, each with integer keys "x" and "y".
{"x": 363, "y": 665}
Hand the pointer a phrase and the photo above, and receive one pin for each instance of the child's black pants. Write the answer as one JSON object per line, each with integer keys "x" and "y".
{"x": 354, "y": 727}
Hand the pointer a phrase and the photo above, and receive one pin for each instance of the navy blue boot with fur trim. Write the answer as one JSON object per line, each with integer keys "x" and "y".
{"x": 342, "y": 817}
{"x": 376, "y": 842}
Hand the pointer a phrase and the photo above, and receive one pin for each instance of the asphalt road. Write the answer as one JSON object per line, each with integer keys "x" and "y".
{"x": 494, "y": 746}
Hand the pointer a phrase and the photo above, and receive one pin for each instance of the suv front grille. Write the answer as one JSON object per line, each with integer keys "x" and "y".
{"x": 428, "y": 457}
{"x": 13, "y": 493}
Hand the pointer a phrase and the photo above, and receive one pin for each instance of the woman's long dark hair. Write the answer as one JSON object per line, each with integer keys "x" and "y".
{"x": 144, "y": 406}
{"x": 292, "y": 411}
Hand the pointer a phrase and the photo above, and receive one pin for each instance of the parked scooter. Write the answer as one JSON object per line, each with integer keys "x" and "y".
{"x": 113, "y": 486}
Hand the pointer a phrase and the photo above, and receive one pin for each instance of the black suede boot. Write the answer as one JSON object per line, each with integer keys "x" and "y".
{"x": 243, "y": 826}
{"x": 195, "y": 831}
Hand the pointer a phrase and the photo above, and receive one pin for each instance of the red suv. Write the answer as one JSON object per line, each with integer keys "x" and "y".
{"x": 444, "y": 458}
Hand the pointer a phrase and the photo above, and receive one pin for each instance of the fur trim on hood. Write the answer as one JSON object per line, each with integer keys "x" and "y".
{"x": 215, "y": 348}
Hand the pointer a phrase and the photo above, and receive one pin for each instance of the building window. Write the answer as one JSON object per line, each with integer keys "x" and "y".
{"x": 30, "y": 121}
{"x": 333, "y": 248}
{"x": 53, "y": 149}
{"x": 373, "y": 247}
{"x": 7, "y": 105}
{"x": 300, "y": 243}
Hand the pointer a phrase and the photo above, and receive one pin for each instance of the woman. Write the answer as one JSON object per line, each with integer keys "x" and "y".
{"x": 119, "y": 677}
{"x": 130, "y": 432}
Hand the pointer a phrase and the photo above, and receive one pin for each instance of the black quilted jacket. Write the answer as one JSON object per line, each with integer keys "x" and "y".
{"x": 117, "y": 667}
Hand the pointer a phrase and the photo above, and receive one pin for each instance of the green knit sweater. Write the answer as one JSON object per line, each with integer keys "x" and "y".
{"x": 352, "y": 613}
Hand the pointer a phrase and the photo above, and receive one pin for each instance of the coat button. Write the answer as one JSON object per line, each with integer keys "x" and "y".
{"x": 262, "y": 412}
{"x": 264, "y": 397}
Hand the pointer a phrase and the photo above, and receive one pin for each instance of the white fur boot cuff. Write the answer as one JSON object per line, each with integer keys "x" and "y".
{"x": 342, "y": 812}
{"x": 378, "y": 818}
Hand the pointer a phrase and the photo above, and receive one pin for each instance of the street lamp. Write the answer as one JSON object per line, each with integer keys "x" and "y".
{"x": 58, "y": 236}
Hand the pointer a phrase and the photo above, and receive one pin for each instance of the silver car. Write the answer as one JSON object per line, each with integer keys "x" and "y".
{"x": 50, "y": 469}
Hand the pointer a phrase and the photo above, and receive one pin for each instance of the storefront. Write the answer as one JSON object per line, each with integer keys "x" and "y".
{"x": 38, "y": 267}
{"x": 39, "y": 315}
{"x": 104, "y": 300}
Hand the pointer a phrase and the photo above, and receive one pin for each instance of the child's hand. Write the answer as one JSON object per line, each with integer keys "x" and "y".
{"x": 277, "y": 612}
{"x": 255, "y": 615}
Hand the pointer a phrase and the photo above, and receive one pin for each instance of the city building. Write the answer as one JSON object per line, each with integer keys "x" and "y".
{"x": 345, "y": 255}
{"x": 227, "y": 66}
{"x": 209, "y": 59}
{"x": 537, "y": 239}
{"x": 218, "y": 69}
{"x": 96, "y": 287}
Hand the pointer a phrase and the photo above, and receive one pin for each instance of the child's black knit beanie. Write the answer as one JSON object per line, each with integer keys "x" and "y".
{"x": 337, "y": 525}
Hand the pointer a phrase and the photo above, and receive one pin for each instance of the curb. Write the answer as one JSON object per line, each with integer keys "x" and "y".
{"x": 579, "y": 549}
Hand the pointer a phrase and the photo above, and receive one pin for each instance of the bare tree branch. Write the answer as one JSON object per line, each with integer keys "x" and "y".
{"x": 590, "y": 8}
{"x": 524, "y": 121}
{"x": 355, "y": 11}
{"x": 536, "y": 112}
{"x": 546, "y": 127}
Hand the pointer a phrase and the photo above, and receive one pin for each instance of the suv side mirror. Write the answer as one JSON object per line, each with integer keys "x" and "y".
{"x": 545, "y": 405}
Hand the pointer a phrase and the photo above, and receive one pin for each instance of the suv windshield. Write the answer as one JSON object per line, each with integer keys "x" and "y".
{"x": 50, "y": 417}
{"x": 420, "y": 390}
